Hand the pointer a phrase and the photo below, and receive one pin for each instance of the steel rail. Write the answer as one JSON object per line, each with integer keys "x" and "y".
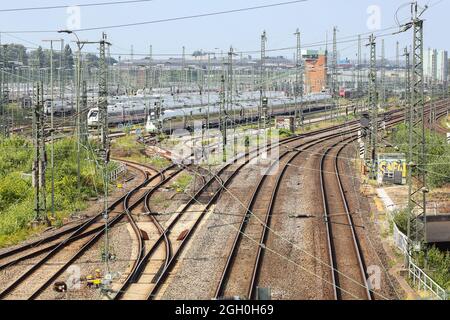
{"x": 337, "y": 286}
{"x": 96, "y": 237}
{"x": 246, "y": 218}
{"x": 77, "y": 235}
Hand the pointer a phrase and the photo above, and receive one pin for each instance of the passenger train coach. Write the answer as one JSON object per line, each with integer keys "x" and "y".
{"x": 136, "y": 111}
{"x": 119, "y": 113}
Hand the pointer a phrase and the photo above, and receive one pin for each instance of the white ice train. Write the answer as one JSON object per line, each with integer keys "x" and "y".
{"x": 134, "y": 110}
{"x": 121, "y": 112}
{"x": 59, "y": 107}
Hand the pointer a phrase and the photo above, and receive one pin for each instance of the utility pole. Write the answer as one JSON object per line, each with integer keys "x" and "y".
{"x": 84, "y": 106}
{"x": 103, "y": 97}
{"x": 149, "y": 84}
{"x": 230, "y": 84}
{"x": 371, "y": 151}
{"x": 262, "y": 93}
{"x": 40, "y": 157}
{"x": 183, "y": 66}
{"x": 298, "y": 91}
{"x": 223, "y": 118}
{"x": 207, "y": 92}
{"x": 359, "y": 65}
{"x": 104, "y": 151}
{"x": 407, "y": 85}
{"x": 417, "y": 144}
{"x": 80, "y": 46}
{"x": 397, "y": 55}
{"x": 383, "y": 78}
{"x": 334, "y": 80}
{"x": 433, "y": 81}
{"x": 61, "y": 74}
{"x": 4, "y": 130}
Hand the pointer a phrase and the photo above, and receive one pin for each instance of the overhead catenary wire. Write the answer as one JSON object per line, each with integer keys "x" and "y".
{"x": 188, "y": 17}
{"x": 81, "y": 5}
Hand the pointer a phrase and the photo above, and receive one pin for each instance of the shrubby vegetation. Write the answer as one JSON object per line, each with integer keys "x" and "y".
{"x": 16, "y": 192}
{"x": 437, "y": 264}
{"x": 438, "y": 154}
{"x": 182, "y": 182}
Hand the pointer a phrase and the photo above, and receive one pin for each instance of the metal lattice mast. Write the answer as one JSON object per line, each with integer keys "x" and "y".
{"x": 417, "y": 144}
{"x": 183, "y": 66}
{"x": 383, "y": 77}
{"x": 407, "y": 85}
{"x": 373, "y": 109}
{"x": 150, "y": 73}
{"x": 222, "y": 118}
{"x": 2, "y": 94}
{"x": 37, "y": 149}
{"x": 39, "y": 163}
{"x": 397, "y": 55}
{"x": 230, "y": 83}
{"x": 298, "y": 91}
{"x": 61, "y": 73}
{"x": 433, "y": 81}
{"x": 84, "y": 107}
{"x": 262, "y": 88}
{"x": 103, "y": 97}
{"x": 334, "y": 76}
{"x": 359, "y": 65}
{"x": 334, "y": 64}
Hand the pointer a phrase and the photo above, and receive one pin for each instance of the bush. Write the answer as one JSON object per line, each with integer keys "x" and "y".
{"x": 401, "y": 220}
{"x": 13, "y": 188}
{"x": 438, "y": 155}
{"x": 437, "y": 265}
{"x": 182, "y": 182}
{"x": 16, "y": 192}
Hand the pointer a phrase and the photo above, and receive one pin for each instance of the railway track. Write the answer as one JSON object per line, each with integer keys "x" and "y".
{"x": 237, "y": 280}
{"x": 173, "y": 245}
{"x": 241, "y": 272}
{"x": 195, "y": 209}
{"x": 136, "y": 203}
{"x": 349, "y": 276}
{"x": 54, "y": 238}
{"x": 437, "y": 126}
{"x": 91, "y": 228}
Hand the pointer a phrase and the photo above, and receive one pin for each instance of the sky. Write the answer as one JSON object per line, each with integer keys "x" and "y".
{"x": 314, "y": 18}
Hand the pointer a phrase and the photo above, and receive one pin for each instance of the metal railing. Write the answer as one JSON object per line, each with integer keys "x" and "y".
{"x": 400, "y": 240}
{"x": 424, "y": 282}
{"x": 121, "y": 168}
{"x": 419, "y": 278}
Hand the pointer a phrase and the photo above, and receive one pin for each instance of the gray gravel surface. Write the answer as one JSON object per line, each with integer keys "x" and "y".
{"x": 292, "y": 273}
{"x": 201, "y": 264}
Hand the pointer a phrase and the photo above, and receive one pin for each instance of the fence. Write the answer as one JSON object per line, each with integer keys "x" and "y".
{"x": 424, "y": 282}
{"x": 121, "y": 168}
{"x": 419, "y": 278}
{"x": 400, "y": 240}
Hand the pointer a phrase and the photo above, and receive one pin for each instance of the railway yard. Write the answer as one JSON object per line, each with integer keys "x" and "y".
{"x": 221, "y": 177}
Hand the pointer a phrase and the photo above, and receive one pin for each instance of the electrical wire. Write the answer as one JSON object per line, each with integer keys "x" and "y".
{"x": 195, "y": 16}
{"x": 96, "y": 4}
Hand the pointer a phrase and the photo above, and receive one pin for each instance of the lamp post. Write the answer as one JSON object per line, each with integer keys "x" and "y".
{"x": 80, "y": 46}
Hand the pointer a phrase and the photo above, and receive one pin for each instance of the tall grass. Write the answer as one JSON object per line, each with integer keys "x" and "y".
{"x": 17, "y": 193}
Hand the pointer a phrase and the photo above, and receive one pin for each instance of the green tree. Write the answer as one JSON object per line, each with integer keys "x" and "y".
{"x": 16, "y": 53}
{"x": 38, "y": 58}
{"x": 68, "y": 57}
